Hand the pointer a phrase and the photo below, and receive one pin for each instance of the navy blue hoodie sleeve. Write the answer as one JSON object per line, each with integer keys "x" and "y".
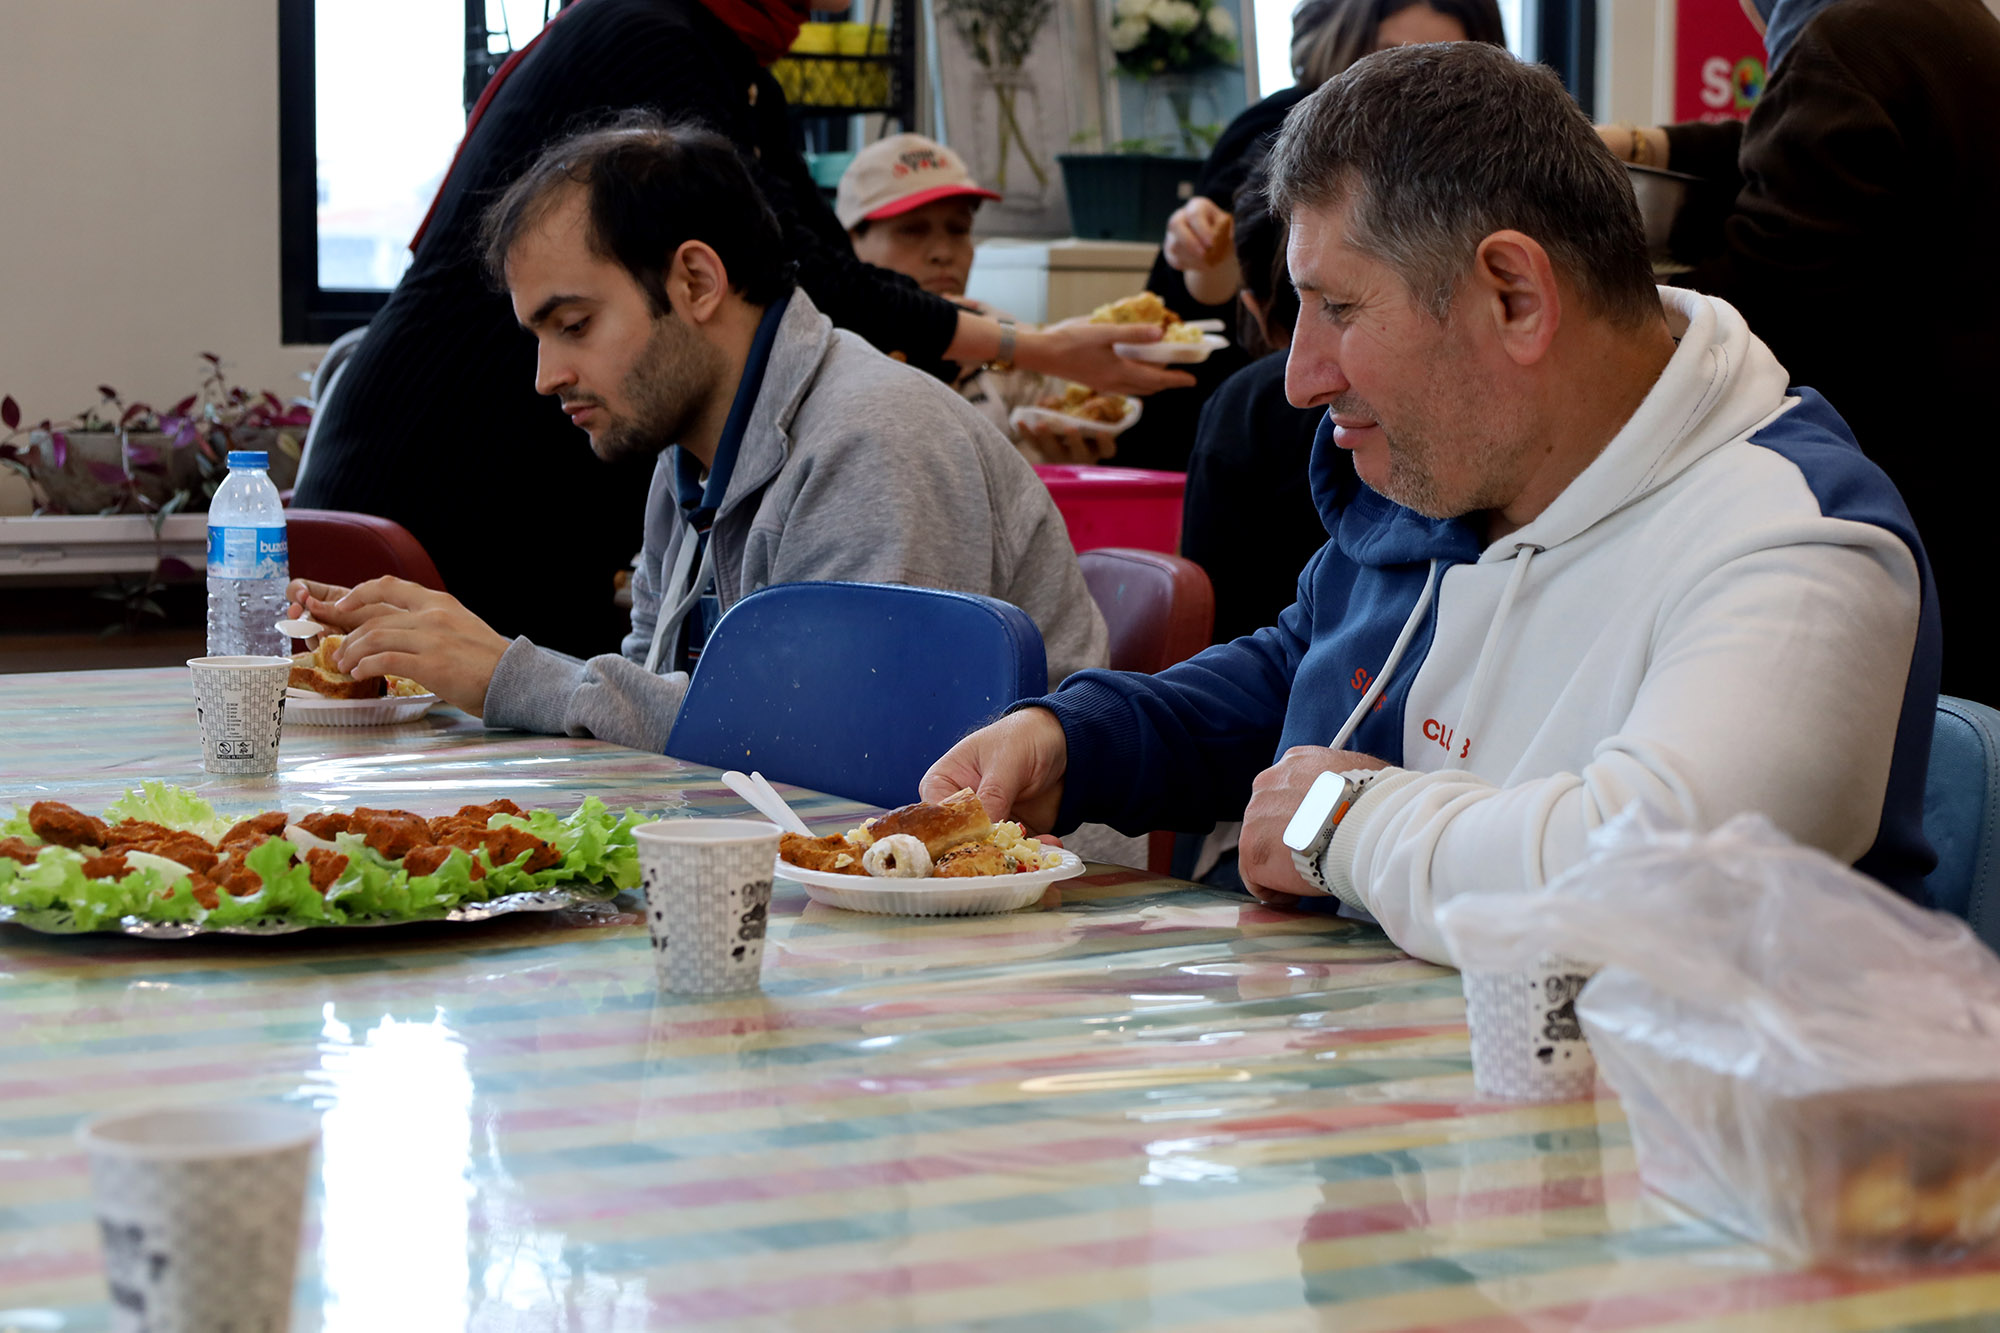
{"x": 1178, "y": 750}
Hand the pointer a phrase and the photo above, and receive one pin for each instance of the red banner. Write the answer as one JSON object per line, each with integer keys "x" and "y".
{"x": 1718, "y": 61}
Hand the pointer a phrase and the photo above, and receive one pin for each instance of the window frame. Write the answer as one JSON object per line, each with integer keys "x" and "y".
{"x": 310, "y": 314}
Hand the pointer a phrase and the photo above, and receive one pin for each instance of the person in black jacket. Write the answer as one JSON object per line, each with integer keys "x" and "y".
{"x": 1196, "y": 272}
{"x": 1857, "y": 211}
{"x": 436, "y": 423}
{"x": 1248, "y": 516}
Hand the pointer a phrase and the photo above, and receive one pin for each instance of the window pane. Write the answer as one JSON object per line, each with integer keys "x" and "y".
{"x": 389, "y": 104}
{"x": 389, "y": 75}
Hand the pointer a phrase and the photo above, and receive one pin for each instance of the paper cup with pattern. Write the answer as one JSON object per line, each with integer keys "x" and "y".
{"x": 1527, "y": 1045}
{"x": 708, "y": 894}
{"x": 241, "y": 704}
{"x": 199, "y": 1209}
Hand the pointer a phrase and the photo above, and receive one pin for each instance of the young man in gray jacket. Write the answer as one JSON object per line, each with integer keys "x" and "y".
{"x": 649, "y": 270}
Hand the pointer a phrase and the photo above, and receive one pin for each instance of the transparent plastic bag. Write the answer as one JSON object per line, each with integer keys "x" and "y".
{"x": 1804, "y": 1056}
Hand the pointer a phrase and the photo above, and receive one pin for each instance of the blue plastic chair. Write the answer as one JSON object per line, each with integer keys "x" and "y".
{"x": 854, "y": 688}
{"x": 1962, "y": 813}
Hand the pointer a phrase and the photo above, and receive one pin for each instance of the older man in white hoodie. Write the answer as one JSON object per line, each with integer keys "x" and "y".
{"x": 1591, "y": 549}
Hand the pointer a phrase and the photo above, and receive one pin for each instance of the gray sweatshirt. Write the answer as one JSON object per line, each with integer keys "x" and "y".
{"x": 853, "y": 467}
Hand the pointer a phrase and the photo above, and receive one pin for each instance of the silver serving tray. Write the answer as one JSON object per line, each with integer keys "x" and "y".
{"x": 591, "y": 901}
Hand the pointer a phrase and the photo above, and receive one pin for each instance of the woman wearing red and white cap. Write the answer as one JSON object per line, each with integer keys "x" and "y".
{"x": 907, "y": 203}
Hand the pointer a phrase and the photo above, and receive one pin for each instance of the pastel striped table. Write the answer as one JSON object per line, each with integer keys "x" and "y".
{"x": 1148, "y": 1106}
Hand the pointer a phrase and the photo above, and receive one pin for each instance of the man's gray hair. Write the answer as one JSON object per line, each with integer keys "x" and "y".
{"x": 1438, "y": 147}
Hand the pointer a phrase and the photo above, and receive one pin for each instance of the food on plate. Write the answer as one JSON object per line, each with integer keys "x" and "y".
{"x": 898, "y": 856}
{"x": 833, "y": 853}
{"x": 1147, "y": 308}
{"x": 163, "y": 854}
{"x": 316, "y": 671}
{"x": 949, "y": 839}
{"x": 1086, "y": 404}
{"x": 1913, "y": 1169}
{"x": 959, "y": 818}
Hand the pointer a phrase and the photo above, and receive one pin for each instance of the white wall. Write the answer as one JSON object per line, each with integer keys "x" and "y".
{"x": 138, "y": 199}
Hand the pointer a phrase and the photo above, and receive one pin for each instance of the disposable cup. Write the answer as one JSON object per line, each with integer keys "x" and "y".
{"x": 708, "y": 894}
{"x": 199, "y": 1209}
{"x": 1527, "y": 1045}
{"x": 240, "y": 702}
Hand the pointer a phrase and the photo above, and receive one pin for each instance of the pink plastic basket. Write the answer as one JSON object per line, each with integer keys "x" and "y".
{"x": 1117, "y": 506}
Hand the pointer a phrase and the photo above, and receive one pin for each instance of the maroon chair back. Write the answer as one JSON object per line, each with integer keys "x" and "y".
{"x": 334, "y": 546}
{"x": 1159, "y": 608}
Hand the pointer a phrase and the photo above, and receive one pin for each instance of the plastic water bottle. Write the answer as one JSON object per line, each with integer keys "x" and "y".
{"x": 248, "y": 561}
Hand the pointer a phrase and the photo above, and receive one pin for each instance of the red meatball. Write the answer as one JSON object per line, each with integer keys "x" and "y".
{"x": 65, "y": 825}
{"x": 393, "y": 833}
{"x": 325, "y": 866}
{"x": 504, "y": 844}
{"x": 190, "y": 849}
{"x": 257, "y": 828}
{"x": 129, "y": 831}
{"x": 325, "y": 825}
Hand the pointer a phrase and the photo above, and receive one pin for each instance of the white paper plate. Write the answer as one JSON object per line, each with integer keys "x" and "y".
{"x": 1042, "y": 418}
{"x": 316, "y": 710}
{"x": 972, "y": 896}
{"x": 1171, "y": 354}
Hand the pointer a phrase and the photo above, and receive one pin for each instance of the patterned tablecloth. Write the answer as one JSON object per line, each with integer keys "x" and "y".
{"x": 1149, "y": 1106}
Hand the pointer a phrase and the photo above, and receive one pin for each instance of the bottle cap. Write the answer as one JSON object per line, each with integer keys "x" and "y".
{"x": 257, "y": 458}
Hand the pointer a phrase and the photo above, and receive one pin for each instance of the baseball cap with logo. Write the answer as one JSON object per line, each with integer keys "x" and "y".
{"x": 899, "y": 173}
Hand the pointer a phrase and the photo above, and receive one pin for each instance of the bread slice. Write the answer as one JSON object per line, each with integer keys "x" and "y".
{"x": 316, "y": 671}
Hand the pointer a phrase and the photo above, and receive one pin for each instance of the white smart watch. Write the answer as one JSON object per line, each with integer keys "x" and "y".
{"x": 1312, "y": 825}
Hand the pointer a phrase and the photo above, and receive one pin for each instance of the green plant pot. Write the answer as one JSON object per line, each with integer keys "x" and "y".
{"x": 1125, "y": 196}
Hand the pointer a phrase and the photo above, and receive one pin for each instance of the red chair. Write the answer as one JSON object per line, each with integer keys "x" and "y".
{"x": 334, "y": 546}
{"x": 1117, "y": 506}
{"x": 1160, "y": 610}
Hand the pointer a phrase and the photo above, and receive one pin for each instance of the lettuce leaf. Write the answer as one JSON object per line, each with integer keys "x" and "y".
{"x": 595, "y": 847}
{"x": 373, "y": 886}
{"x": 56, "y": 881}
{"x": 173, "y": 807}
{"x": 16, "y": 826}
{"x": 287, "y": 891}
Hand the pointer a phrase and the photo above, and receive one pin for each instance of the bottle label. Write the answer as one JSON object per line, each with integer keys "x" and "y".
{"x": 247, "y": 553}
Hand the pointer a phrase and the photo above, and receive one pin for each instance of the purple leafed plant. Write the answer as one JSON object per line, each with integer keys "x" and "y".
{"x": 207, "y": 422}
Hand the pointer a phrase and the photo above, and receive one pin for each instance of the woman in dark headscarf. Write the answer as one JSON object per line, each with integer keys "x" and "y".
{"x": 1196, "y": 273}
{"x": 1852, "y": 220}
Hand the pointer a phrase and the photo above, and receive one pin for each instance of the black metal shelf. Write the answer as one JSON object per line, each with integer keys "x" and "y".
{"x": 822, "y": 85}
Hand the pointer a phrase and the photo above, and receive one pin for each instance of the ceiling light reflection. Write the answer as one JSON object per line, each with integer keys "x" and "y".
{"x": 397, "y": 1150}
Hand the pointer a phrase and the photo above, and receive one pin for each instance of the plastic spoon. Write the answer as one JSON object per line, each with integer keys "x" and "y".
{"x": 753, "y": 788}
{"x": 300, "y": 629}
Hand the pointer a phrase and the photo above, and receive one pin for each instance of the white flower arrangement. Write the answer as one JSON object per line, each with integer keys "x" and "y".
{"x": 1171, "y": 36}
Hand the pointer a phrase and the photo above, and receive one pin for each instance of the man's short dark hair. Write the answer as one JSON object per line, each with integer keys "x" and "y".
{"x": 1438, "y": 147}
{"x": 648, "y": 188}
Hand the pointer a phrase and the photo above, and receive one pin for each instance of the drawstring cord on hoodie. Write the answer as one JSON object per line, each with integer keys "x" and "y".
{"x": 1348, "y": 728}
{"x": 1475, "y": 697}
{"x": 683, "y": 595}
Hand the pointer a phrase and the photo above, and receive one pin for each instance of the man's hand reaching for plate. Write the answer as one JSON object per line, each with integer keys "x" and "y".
{"x": 1015, "y": 765}
{"x": 398, "y": 628}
